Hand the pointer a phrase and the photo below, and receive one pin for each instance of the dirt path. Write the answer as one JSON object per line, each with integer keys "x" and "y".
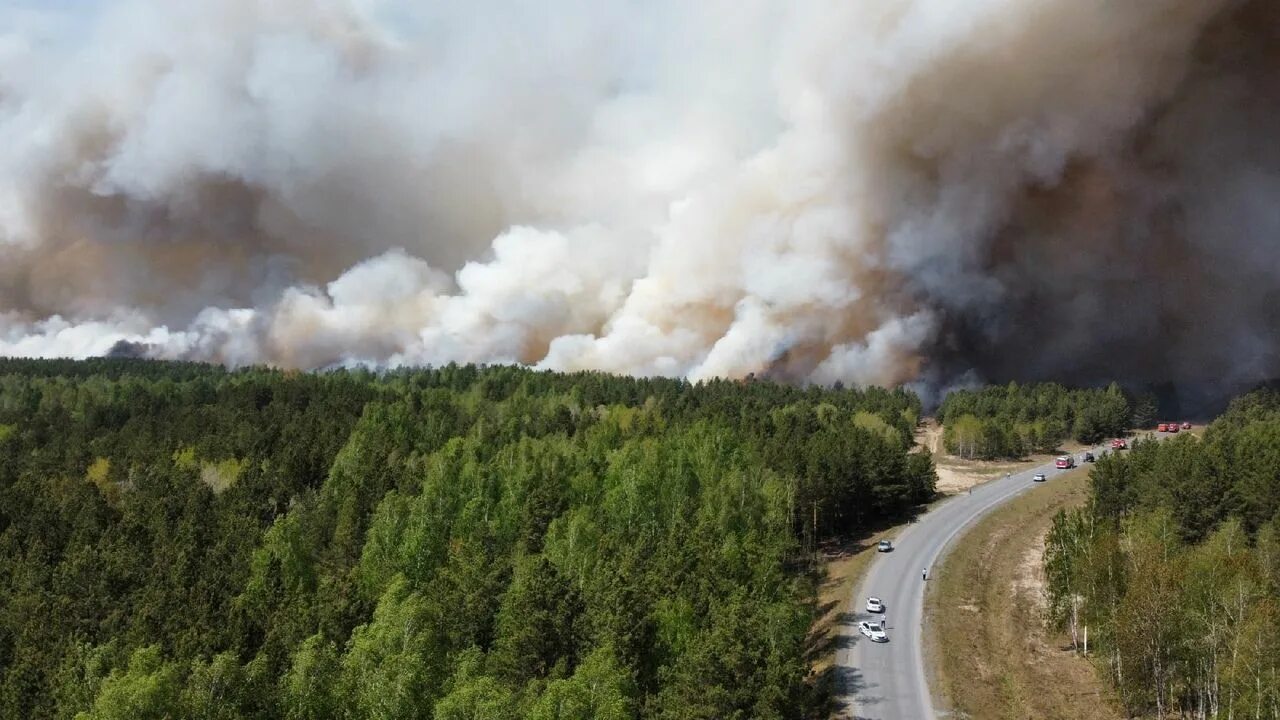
{"x": 929, "y": 436}
{"x": 992, "y": 655}
{"x": 956, "y": 475}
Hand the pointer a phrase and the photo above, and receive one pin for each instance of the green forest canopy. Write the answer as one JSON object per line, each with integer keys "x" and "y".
{"x": 1011, "y": 421}
{"x": 1174, "y": 568}
{"x": 181, "y": 540}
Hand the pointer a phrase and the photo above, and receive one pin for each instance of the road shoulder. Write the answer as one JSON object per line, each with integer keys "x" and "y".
{"x": 845, "y": 566}
{"x": 988, "y": 652}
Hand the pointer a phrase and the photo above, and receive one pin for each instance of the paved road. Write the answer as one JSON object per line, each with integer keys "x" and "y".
{"x": 886, "y": 681}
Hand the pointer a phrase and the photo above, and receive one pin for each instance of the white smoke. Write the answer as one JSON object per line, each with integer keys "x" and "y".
{"x": 825, "y": 190}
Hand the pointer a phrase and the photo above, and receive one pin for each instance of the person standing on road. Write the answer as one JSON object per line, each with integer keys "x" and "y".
{"x": 924, "y": 574}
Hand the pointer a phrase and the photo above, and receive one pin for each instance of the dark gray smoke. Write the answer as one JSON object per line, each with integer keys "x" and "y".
{"x": 1159, "y": 260}
{"x": 821, "y": 190}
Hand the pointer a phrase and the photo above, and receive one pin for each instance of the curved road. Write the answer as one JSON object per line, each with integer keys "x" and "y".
{"x": 886, "y": 681}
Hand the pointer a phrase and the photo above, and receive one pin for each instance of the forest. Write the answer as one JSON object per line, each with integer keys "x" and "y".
{"x": 184, "y": 541}
{"x": 1171, "y": 574}
{"x": 1013, "y": 421}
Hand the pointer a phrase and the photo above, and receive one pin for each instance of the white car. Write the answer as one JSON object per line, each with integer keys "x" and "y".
{"x": 872, "y": 631}
{"x": 874, "y": 605}
{"x": 884, "y": 546}
{"x": 1038, "y": 477}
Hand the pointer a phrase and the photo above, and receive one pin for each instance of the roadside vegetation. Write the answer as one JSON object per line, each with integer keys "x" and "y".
{"x": 1170, "y": 576}
{"x": 1013, "y": 421}
{"x": 956, "y": 474}
{"x": 179, "y": 540}
{"x": 987, "y": 641}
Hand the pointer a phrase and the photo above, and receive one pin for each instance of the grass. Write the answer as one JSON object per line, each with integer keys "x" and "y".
{"x": 985, "y": 636}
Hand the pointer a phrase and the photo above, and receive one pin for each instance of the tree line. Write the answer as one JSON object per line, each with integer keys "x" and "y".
{"x": 1171, "y": 574}
{"x": 1013, "y": 421}
{"x": 180, "y": 540}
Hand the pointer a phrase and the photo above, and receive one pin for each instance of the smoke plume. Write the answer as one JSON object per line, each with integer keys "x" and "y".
{"x": 821, "y": 190}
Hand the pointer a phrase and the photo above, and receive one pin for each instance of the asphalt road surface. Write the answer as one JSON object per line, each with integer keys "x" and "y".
{"x": 886, "y": 681}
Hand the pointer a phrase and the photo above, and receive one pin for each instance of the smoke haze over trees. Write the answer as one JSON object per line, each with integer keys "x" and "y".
{"x": 1080, "y": 190}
